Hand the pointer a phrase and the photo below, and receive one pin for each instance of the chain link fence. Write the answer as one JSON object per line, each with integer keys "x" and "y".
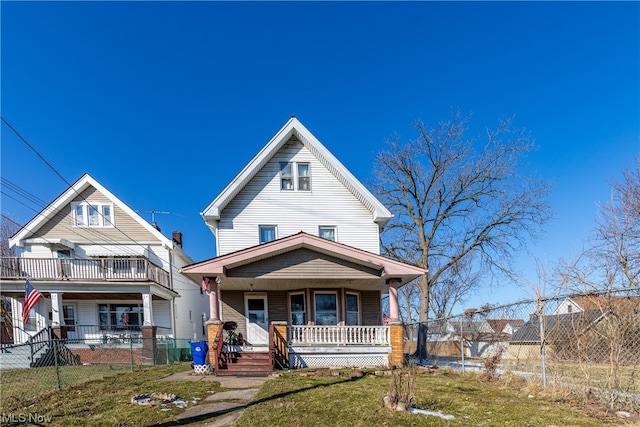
{"x": 586, "y": 343}
{"x": 26, "y": 370}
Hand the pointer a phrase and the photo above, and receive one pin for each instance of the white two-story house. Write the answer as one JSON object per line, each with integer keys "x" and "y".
{"x": 106, "y": 274}
{"x": 298, "y": 267}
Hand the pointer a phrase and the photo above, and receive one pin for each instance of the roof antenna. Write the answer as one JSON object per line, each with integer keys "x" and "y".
{"x": 153, "y": 217}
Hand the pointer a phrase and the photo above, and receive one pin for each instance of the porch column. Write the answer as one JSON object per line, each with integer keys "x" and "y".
{"x": 213, "y": 299}
{"x": 147, "y": 309}
{"x": 57, "y": 316}
{"x": 393, "y": 299}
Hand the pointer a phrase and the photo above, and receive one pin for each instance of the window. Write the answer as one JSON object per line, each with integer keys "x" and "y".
{"x": 301, "y": 181}
{"x": 106, "y": 214}
{"x": 353, "y": 312}
{"x": 78, "y": 219}
{"x": 297, "y": 308}
{"x": 120, "y": 316}
{"x": 69, "y": 314}
{"x": 32, "y": 324}
{"x": 286, "y": 176}
{"x": 327, "y": 232}
{"x": 94, "y": 218}
{"x": 326, "y": 309}
{"x": 304, "y": 177}
{"x": 267, "y": 233}
{"x": 92, "y": 214}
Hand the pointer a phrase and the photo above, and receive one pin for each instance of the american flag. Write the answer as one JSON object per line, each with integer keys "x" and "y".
{"x": 205, "y": 284}
{"x": 31, "y": 297}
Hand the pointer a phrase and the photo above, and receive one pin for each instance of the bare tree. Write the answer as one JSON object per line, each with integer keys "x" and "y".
{"x": 8, "y": 227}
{"x": 454, "y": 199}
{"x": 618, "y": 230}
{"x": 611, "y": 258}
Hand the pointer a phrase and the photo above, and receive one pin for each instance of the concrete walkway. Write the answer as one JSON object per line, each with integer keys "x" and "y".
{"x": 220, "y": 409}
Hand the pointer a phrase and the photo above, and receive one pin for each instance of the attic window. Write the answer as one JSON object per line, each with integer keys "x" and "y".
{"x": 295, "y": 176}
{"x": 90, "y": 214}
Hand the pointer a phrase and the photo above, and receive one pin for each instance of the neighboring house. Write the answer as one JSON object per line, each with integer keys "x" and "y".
{"x": 586, "y": 327}
{"x": 482, "y": 338}
{"x": 106, "y": 274}
{"x": 298, "y": 265}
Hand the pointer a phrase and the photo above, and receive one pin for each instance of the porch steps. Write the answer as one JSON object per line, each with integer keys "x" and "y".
{"x": 244, "y": 363}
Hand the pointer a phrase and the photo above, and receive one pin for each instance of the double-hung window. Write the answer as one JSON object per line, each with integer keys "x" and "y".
{"x": 304, "y": 177}
{"x": 92, "y": 214}
{"x": 295, "y": 176}
{"x": 297, "y": 308}
{"x": 352, "y": 308}
{"x": 286, "y": 176}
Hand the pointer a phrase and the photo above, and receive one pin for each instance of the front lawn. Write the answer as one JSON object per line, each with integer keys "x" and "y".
{"x": 306, "y": 399}
{"x": 295, "y": 400}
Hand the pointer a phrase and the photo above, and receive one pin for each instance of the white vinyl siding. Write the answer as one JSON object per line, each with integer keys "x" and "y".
{"x": 263, "y": 202}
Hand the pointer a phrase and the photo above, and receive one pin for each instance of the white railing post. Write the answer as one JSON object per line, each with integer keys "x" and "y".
{"x": 338, "y": 335}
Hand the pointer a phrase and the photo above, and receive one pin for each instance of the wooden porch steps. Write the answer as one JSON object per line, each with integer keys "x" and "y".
{"x": 245, "y": 363}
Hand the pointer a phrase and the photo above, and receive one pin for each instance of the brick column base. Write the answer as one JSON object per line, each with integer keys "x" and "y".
{"x": 148, "y": 345}
{"x": 396, "y": 357}
{"x": 59, "y": 332}
{"x": 213, "y": 326}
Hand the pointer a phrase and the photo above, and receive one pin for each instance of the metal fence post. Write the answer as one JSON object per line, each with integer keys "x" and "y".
{"x": 55, "y": 361}
{"x": 542, "y": 343}
{"x": 131, "y": 354}
{"x": 462, "y": 344}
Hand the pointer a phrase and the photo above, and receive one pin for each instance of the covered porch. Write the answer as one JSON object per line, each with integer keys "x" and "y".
{"x": 307, "y": 301}
{"x": 92, "y": 312}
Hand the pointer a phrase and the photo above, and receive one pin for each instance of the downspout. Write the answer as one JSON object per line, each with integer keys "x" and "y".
{"x": 173, "y": 300}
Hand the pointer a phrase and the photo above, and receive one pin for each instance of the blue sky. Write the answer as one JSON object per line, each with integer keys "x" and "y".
{"x": 164, "y": 102}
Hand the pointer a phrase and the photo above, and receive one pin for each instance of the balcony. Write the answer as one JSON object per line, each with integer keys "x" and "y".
{"x": 134, "y": 269}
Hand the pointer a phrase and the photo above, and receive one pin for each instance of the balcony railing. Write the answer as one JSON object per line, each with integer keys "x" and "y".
{"x": 338, "y": 335}
{"x": 136, "y": 269}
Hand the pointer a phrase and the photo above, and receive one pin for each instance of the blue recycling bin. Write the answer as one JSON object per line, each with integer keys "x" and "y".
{"x": 199, "y": 352}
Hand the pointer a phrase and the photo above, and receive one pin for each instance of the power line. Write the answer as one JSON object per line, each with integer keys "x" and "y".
{"x": 89, "y": 229}
{"x": 34, "y": 150}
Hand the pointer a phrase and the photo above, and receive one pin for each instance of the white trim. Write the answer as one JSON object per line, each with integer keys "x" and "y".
{"x": 103, "y": 222}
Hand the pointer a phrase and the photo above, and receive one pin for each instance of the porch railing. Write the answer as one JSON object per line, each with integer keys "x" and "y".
{"x": 75, "y": 269}
{"x": 338, "y": 335}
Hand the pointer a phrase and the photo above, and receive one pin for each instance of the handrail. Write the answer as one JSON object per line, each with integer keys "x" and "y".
{"x": 278, "y": 349}
{"x": 217, "y": 350}
{"x": 39, "y": 341}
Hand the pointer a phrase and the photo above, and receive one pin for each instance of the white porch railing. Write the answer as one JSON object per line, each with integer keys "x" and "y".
{"x": 338, "y": 335}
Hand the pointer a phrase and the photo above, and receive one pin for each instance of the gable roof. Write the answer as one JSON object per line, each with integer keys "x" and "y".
{"x": 293, "y": 127}
{"x": 557, "y": 326}
{"x": 386, "y": 267}
{"x": 619, "y": 303}
{"x": 51, "y": 210}
{"x": 498, "y": 325}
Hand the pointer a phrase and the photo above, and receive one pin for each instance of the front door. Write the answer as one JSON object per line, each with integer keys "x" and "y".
{"x": 255, "y": 308}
